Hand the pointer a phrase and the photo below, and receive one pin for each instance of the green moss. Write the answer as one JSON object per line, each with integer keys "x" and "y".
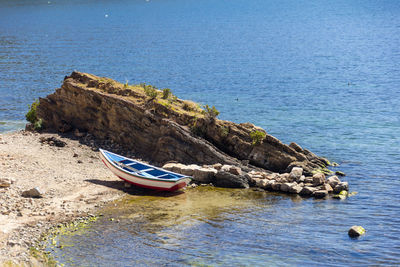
{"x": 257, "y": 137}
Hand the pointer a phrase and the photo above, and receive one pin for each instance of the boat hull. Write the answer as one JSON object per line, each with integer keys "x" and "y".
{"x": 144, "y": 182}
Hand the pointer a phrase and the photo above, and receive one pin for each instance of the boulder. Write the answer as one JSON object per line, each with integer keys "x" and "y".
{"x": 178, "y": 167}
{"x": 169, "y": 166}
{"x": 339, "y": 173}
{"x": 226, "y": 179}
{"x": 5, "y": 182}
{"x": 269, "y": 184}
{"x": 189, "y": 169}
{"x": 235, "y": 170}
{"x": 307, "y": 191}
{"x": 301, "y": 179}
{"x": 217, "y": 166}
{"x": 333, "y": 181}
{"x": 295, "y": 173}
{"x": 285, "y": 187}
{"x": 356, "y": 231}
{"x": 33, "y": 193}
{"x": 320, "y": 193}
{"x": 276, "y": 186}
{"x": 327, "y": 187}
{"x": 204, "y": 175}
{"x": 262, "y": 183}
{"x": 295, "y": 188}
{"x": 308, "y": 180}
{"x": 340, "y": 187}
{"x": 318, "y": 178}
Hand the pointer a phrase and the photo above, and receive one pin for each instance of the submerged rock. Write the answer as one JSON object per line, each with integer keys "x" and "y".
{"x": 308, "y": 191}
{"x": 356, "y": 231}
{"x": 320, "y": 193}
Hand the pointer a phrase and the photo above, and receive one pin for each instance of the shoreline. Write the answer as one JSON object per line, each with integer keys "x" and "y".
{"x": 72, "y": 178}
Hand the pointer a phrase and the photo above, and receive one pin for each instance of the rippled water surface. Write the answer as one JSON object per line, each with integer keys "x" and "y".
{"x": 325, "y": 74}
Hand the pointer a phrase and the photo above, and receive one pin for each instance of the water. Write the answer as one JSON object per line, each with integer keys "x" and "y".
{"x": 324, "y": 74}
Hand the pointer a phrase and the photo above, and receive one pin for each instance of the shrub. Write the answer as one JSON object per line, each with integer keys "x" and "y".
{"x": 211, "y": 113}
{"x": 257, "y": 137}
{"x": 38, "y": 125}
{"x": 224, "y": 131}
{"x": 31, "y": 114}
{"x": 166, "y": 93}
{"x": 150, "y": 91}
{"x": 126, "y": 85}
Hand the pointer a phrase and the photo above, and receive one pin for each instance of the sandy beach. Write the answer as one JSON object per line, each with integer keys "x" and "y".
{"x": 73, "y": 181}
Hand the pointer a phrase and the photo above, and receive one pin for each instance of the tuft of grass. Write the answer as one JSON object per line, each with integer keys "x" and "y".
{"x": 166, "y": 93}
{"x": 257, "y": 137}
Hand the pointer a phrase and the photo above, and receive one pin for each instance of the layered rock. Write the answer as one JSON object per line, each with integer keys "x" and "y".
{"x": 161, "y": 130}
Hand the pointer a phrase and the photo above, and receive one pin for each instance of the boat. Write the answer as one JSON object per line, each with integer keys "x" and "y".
{"x": 142, "y": 174}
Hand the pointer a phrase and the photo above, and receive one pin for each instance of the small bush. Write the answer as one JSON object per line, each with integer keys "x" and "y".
{"x": 150, "y": 91}
{"x": 211, "y": 113}
{"x": 126, "y": 85}
{"x": 38, "y": 125}
{"x": 257, "y": 137}
{"x": 166, "y": 93}
{"x": 31, "y": 114}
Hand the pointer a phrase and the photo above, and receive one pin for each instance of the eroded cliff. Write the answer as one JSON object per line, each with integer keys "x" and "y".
{"x": 162, "y": 128}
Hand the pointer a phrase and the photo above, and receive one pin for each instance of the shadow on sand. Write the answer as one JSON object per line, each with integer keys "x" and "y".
{"x": 134, "y": 190}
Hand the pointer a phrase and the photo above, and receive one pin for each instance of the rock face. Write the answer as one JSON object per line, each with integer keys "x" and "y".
{"x": 161, "y": 130}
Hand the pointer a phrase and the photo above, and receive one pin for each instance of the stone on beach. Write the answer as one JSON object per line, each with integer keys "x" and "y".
{"x": 189, "y": 169}
{"x": 356, "y": 231}
{"x": 204, "y": 175}
{"x": 5, "y": 182}
{"x": 327, "y": 187}
{"x": 33, "y": 193}
{"x": 295, "y": 189}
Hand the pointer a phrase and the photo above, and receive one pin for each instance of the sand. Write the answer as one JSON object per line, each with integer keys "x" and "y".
{"x": 72, "y": 178}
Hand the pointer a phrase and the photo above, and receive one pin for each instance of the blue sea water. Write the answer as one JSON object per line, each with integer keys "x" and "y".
{"x": 325, "y": 74}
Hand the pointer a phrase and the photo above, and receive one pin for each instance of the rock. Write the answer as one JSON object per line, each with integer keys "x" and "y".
{"x": 318, "y": 179}
{"x": 52, "y": 141}
{"x": 33, "y": 193}
{"x": 308, "y": 180}
{"x": 235, "y": 170}
{"x": 285, "y": 187}
{"x": 327, "y": 187}
{"x": 217, "y": 166}
{"x": 269, "y": 184}
{"x": 78, "y": 134}
{"x": 320, "y": 193}
{"x": 158, "y": 133}
{"x": 295, "y": 189}
{"x": 296, "y": 173}
{"x": 276, "y": 186}
{"x": 204, "y": 175}
{"x": 333, "y": 181}
{"x": 342, "y": 195}
{"x": 301, "y": 179}
{"x": 178, "y": 168}
{"x": 307, "y": 191}
{"x": 296, "y": 147}
{"x": 5, "y": 182}
{"x": 261, "y": 183}
{"x": 226, "y": 179}
{"x": 356, "y": 231}
{"x": 189, "y": 169}
{"x": 340, "y": 187}
{"x": 80, "y": 161}
{"x": 75, "y": 155}
{"x": 339, "y": 173}
{"x": 169, "y": 166}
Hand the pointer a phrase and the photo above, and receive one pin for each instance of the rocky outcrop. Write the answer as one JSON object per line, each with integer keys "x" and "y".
{"x": 161, "y": 129}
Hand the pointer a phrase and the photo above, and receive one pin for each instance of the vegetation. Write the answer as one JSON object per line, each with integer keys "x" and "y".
{"x": 210, "y": 112}
{"x": 224, "y": 131}
{"x": 31, "y": 116}
{"x": 257, "y": 137}
{"x": 166, "y": 93}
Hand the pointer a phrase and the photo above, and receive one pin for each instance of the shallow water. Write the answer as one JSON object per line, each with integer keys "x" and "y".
{"x": 324, "y": 74}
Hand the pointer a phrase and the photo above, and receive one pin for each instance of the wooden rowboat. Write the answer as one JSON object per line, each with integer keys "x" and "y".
{"x": 141, "y": 174}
